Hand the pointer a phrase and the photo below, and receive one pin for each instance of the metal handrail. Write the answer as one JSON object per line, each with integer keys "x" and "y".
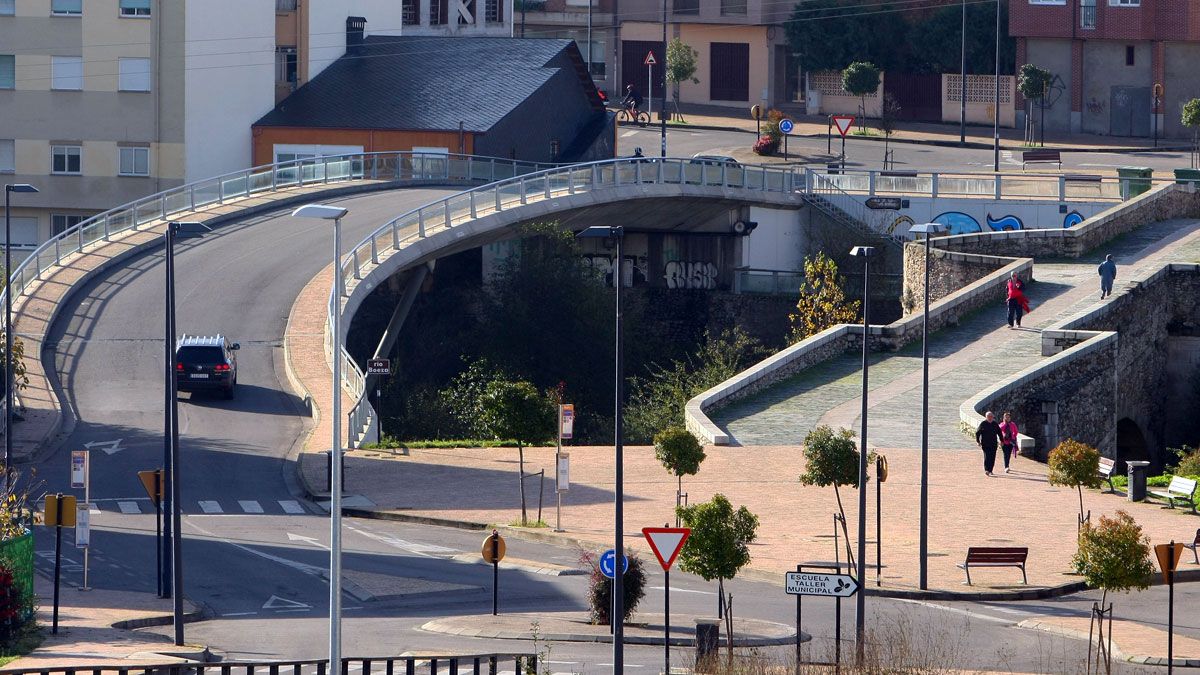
{"x": 386, "y": 665}
{"x": 390, "y": 167}
{"x": 1060, "y": 186}
{"x": 520, "y": 190}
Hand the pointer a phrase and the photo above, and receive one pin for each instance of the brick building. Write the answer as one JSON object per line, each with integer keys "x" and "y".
{"x": 1107, "y": 57}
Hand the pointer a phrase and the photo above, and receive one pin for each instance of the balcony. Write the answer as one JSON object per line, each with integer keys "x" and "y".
{"x": 1087, "y": 16}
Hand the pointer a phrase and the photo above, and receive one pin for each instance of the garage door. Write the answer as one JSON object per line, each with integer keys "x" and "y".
{"x": 729, "y": 71}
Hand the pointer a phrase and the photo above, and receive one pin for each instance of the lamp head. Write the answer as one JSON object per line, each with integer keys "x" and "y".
{"x": 189, "y": 229}
{"x": 320, "y": 211}
{"x": 862, "y": 251}
{"x": 927, "y": 229}
{"x": 20, "y": 187}
{"x": 601, "y": 232}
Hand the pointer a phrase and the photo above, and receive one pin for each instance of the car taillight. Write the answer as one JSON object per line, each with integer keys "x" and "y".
{"x": 179, "y": 367}
{"x": 222, "y": 368}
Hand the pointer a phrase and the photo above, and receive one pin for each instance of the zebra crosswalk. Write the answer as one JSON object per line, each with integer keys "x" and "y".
{"x": 290, "y": 507}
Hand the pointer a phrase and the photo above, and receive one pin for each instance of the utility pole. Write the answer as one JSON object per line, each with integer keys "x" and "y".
{"x": 962, "y": 89}
{"x": 996, "y": 108}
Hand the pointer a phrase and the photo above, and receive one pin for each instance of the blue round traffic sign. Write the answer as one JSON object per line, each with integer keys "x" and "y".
{"x": 786, "y": 126}
{"x": 607, "y": 566}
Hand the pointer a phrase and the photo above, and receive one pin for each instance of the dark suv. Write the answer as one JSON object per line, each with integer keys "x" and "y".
{"x": 206, "y": 363}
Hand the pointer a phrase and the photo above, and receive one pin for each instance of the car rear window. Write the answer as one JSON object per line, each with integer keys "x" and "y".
{"x": 201, "y": 356}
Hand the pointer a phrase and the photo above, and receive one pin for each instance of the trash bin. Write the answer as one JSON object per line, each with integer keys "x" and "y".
{"x": 708, "y": 635}
{"x": 1134, "y": 180}
{"x": 1185, "y": 176}
{"x": 1137, "y": 481}
{"x": 329, "y": 470}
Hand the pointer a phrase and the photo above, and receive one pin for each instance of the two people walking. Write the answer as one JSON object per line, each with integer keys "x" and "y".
{"x": 991, "y": 435}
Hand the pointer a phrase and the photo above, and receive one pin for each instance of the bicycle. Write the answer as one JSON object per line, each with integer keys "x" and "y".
{"x": 630, "y": 114}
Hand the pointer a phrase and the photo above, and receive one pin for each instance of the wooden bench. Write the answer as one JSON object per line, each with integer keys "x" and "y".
{"x": 1106, "y": 471}
{"x": 982, "y": 556}
{"x": 1180, "y": 488}
{"x": 1030, "y": 156}
{"x": 1083, "y": 178}
{"x": 1193, "y": 545}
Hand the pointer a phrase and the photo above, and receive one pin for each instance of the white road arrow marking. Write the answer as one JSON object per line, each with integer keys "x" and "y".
{"x": 311, "y": 541}
{"x": 109, "y": 447}
{"x": 277, "y": 602}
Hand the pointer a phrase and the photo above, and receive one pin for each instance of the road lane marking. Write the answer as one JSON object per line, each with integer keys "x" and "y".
{"x": 956, "y": 610}
{"x": 129, "y": 507}
{"x": 276, "y": 602}
{"x": 291, "y": 506}
{"x": 240, "y": 614}
{"x": 426, "y": 550}
{"x": 303, "y": 568}
{"x": 311, "y": 541}
{"x": 210, "y": 507}
{"x": 682, "y": 590}
{"x": 250, "y": 506}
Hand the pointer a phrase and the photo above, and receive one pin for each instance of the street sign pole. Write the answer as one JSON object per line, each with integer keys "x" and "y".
{"x": 666, "y": 542}
{"x": 58, "y": 518}
{"x": 158, "y": 518}
{"x": 495, "y": 573}
{"x": 667, "y": 620}
{"x": 835, "y": 585}
{"x": 1168, "y": 558}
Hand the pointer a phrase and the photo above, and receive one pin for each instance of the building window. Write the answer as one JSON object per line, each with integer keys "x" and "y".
{"x": 61, "y": 222}
{"x": 729, "y": 71}
{"x": 66, "y": 7}
{"x": 135, "y": 162}
{"x": 1047, "y": 2}
{"x": 686, "y": 7}
{"x": 24, "y": 231}
{"x": 134, "y": 74}
{"x": 1130, "y": 53}
{"x": 66, "y": 159}
{"x": 285, "y": 5}
{"x": 8, "y": 71}
{"x": 135, "y": 7}
{"x": 1087, "y": 14}
{"x": 437, "y": 12}
{"x": 410, "y": 12}
{"x": 733, "y": 7}
{"x": 66, "y": 72}
{"x": 492, "y": 12}
{"x": 1125, "y": 3}
{"x": 8, "y": 155}
{"x": 285, "y": 66}
{"x": 8, "y": 7}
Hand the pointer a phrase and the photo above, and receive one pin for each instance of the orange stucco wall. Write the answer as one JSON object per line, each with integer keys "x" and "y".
{"x": 265, "y": 139}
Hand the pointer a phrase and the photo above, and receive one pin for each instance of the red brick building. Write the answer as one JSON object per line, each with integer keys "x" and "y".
{"x": 1107, "y": 57}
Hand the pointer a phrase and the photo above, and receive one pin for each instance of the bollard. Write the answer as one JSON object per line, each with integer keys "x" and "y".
{"x": 708, "y": 636}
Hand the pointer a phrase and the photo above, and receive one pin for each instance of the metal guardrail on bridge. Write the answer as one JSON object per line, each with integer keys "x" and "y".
{"x": 477, "y": 664}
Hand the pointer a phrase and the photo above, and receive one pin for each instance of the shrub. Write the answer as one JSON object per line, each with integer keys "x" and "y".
{"x": 600, "y": 587}
{"x": 1075, "y": 464}
{"x": 719, "y": 544}
{"x": 1189, "y": 461}
{"x": 823, "y": 302}
{"x": 766, "y": 146}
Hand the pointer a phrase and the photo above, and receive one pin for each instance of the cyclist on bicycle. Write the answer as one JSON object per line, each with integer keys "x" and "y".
{"x": 632, "y": 100}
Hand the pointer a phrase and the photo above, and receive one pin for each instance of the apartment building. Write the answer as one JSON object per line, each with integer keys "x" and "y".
{"x": 1109, "y": 59}
{"x": 590, "y": 27}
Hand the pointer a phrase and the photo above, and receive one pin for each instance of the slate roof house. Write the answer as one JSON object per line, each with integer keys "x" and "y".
{"x": 501, "y": 97}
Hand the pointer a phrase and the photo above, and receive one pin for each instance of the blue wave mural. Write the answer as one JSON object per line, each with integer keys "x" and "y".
{"x": 1072, "y": 219}
{"x": 958, "y": 222}
{"x": 1006, "y": 223}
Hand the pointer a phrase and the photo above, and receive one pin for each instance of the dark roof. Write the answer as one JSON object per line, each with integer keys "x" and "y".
{"x": 423, "y": 83}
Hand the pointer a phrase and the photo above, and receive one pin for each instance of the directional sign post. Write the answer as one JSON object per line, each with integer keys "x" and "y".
{"x": 81, "y": 477}
{"x": 493, "y": 552}
{"x": 153, "y": 482}
{"x": 843, "y": 122}
{"x": 608, "y": 567}
{"x": 379, "y": 367}
{"x": 566, "y": 429}
{"x": 1168, "y": 559}
{"x": 666, "y": 542}
{"x": 60, "y": 513}
{"x": 650, "y": 61}
{"x": 831, "y": 585}
{"x": 785, "y": 127}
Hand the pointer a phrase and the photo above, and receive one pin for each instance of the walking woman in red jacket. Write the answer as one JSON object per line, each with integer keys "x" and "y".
{"x": 1018, "y": 304}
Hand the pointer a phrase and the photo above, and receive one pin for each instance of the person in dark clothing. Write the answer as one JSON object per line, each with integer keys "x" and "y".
{"x": 1108, "y": 272}
{"x": 633, "y": 98}
{"x": 988, "y": 436}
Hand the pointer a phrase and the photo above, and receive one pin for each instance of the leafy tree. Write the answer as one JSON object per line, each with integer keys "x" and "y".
{"x": 829, "y": 34}
{"x": 1191, "y": 118}
{"x": 516, "y": 410}
{"x": 1113, "y": 555}
{"x": 861, "y": 79}
{"x": 680, "y": 452}
{"x": 1075, "y": 464}
{"x": 719, "y": 544}
{"x": 1189, "y": 461}
{"x": 934, "y": 40}
{"x": 823, "y": 302}
{"x": 681, "y": 65}
{"x": 463, "y": 397}
{"x": 658, "y": 400}
{"x": 600, "y": 588}
{"x": 831, "y": 458}
{"x": 1033, "y": 83}
{"x": 889, "y": 113}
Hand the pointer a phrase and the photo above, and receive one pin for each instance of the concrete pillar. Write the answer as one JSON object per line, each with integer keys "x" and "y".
{"x": 1076, "y": 86}
{"x": 1050, "y": 426}
{"x": 1158, "y": 56}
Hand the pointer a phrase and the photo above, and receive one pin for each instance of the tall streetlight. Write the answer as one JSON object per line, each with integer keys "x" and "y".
{"x": 662, "y": 117}
{"x": 616, "y": 233}
{"x": 962, "y": 82}
{"x": 334, "y": 213}
{"x": 860, "y": 616}
{"x": 8, "y": 352}
{"x": 996, "y": 108}
{"x": 927, "y": 229}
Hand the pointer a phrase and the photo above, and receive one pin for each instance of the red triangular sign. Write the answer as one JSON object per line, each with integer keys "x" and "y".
{"x": 650, "y": 60}
{"x": 666, "y": 542}
{"x": 843, "y": 122}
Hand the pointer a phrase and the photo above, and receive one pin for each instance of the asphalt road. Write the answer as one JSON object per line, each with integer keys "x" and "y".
{"x": 868, "y": 154}
{"x": 255, "y": 551}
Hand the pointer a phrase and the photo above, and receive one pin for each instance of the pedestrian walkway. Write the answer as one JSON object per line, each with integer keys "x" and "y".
{"x": 290, "y": 507}
{"x": 964, "y": 359}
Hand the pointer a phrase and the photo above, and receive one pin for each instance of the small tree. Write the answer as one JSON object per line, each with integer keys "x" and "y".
{"x": 831, "y": 458}
{"x": 1191, "y": 119}
{"x": 861, "y": 79}
{"x": 1033, "y": 83}
{"x": 681, "y": 66}
{"x": 719, "y": 544}
{"x": 823, "y": 302}
{"x": 516, "y": 411}
{"x": 888, "y": 115}
{"x": 1113, "y": 555}
{"x": 680, "y": 453}
{"x": 1077, "y": 465}
{"x": 600, "y": 588}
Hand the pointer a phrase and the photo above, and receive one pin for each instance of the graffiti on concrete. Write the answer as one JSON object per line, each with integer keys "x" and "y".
{"x": 1007, "y": 223}
{"x": 602, "y": 265}
{"x": 900, "y": 226}
{"x": 1095, "y": 106}
{"x": 958, "y": 222}
{"x": 681, "y": 274}
{"x": 1072, "y": 219}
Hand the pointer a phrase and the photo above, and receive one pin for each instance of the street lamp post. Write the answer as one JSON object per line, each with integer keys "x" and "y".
{"x": 927, "y": 229}
{"x": 616, "y": 233}
{"x": 962, "y": 82}
{"x": 996, "y": 108}
{"x": 334, "y": 213}
{"x": 860, "y": 617}
{"x": 8, "y": 340}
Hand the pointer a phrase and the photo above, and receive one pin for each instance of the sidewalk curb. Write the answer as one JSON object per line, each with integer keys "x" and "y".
{"x": 531, "y": 566}
{"x": 676, "y": 641}
{"x": 1141, "y": 659}
{"x": 380, "y": 514}
{"x": 193, "y": 616}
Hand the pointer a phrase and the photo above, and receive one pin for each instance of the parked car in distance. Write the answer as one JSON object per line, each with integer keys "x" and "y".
{"x": 206, "y": 363}
{"x": 713, "y": 160}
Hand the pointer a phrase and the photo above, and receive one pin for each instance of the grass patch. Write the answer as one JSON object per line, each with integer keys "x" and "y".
{"x": 1161, "y": 481}
{"x": 27, "y": 639}
{"x": 530, "y": 523}
{"x": 393, "y": 444}
{"x": 864, "y": 132}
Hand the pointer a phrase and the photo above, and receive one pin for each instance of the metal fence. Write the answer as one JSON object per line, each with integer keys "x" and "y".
{"x": 477, "y": 664}
{"x": 1092, "y": 187}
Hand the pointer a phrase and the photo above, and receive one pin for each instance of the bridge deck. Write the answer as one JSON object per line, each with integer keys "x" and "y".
{"x": 963, "y": 359}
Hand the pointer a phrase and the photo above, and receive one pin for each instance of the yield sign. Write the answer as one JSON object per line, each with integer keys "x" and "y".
{"x": 650, "y": 60}
{"x": 843, "y": 122}
{"x": 666, "y": 542}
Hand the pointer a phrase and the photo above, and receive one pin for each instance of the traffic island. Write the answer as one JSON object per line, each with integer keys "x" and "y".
{"x": 645, "y": 629}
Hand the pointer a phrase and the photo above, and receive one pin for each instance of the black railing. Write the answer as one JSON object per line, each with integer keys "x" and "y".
{"x": 477, "y": 664}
